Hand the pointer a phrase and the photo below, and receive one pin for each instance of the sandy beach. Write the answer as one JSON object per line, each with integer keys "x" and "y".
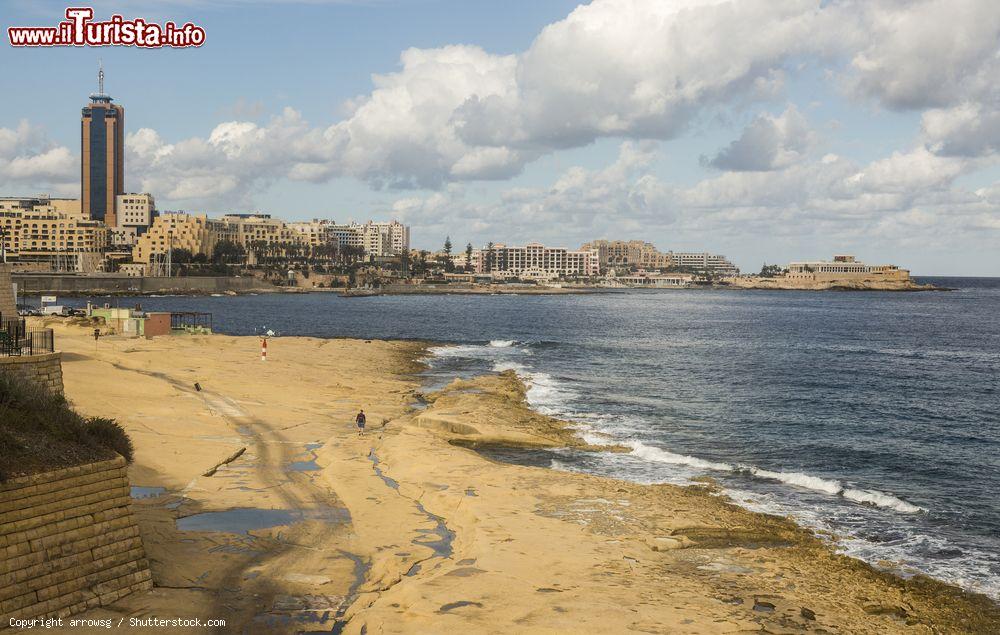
{"x": 275, "y": 516}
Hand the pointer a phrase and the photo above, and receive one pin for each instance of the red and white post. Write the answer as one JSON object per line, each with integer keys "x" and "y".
{"x": 263, "y": 349}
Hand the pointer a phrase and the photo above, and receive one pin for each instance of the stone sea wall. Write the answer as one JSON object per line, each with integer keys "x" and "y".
{"x": 65, "y": 284}
{"x": 68, "y": 542}
{"x": 43, "y": 369}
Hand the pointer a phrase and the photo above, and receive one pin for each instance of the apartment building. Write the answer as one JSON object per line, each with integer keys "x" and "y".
{"x": 43, "y": 203}
{"x": 176, "y": 230}
{"x": 315, "y": 232}
{"x": 535, "y": 261}
{"x": 704, "y": 262}
{"x": 628, "y": 254}
{"x": 378, "y": 239}
{"x": 200, "y": 234}
{"x": 45, "y": 233}
{"x": 134, "y": 217}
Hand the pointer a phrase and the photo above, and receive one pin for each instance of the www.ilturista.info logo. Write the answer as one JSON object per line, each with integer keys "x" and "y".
{"x": 79, "y": 29}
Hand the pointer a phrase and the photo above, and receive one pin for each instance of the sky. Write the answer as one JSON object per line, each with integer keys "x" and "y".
{"x": 766, "y": 130}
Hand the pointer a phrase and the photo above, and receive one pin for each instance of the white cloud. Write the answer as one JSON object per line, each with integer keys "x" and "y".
{"x": 30, "y": 163}
{"x": 914, "y": 54}
{"x": 905, "y": 198}
{"x": 642, "y": 69}
{"x": 768, "y": 143}
{"x": 614, "y": 68}
{"x": 969, "y": 129}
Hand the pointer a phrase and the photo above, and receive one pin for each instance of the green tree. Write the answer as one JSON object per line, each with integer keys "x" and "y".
{"x": 771, "y": 271}
{"x": 488, "y": 264}
{"x": 227, "y": 252}
{"x": 468, "y": 258}
{"x": 181, "y": 255}
{"x": 404, "y": 263}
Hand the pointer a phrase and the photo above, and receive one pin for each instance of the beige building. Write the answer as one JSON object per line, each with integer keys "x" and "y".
{"x": 250, "y": 229}
{"x": 200, "y": 234}
{"x": 51, "y": 234}
{"x": 716, "y": 264}
{"x": 316, "y": 232}
{"x": 134, "y": 218}
{"x": 43, "y": 203}
{"x": 175, "y": 230}
{"x": 844, "y": 267}
{"x": 628, "y": 253}
{"x": 535, "y": 261}
{"x": 378, "y": 239}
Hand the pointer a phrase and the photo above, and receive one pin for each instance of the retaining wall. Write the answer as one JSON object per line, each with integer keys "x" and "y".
{"x": 45, "y": 369}
{"x": 34, "y": 284}
{"x": 68, "y": 542}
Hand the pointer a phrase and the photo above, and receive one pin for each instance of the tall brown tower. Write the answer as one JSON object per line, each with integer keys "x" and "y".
{"x": 102, "y": 148}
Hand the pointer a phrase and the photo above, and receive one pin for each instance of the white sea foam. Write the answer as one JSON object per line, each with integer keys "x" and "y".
{"x": 464, "y": 350}
{"x": 799, "y": 479}
{"x": 502, "y": 343}
{"x": 880, "y": 499}
{"x": 653, "y": 453}
{"x": 499, "y": 367}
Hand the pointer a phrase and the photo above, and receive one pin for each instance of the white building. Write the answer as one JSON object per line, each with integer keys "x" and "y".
{"x": 706, "y": 262}
{"x": 378, "y": 239}
{"x": 844, "y": 267}
{"x": 135, "y": 216}
{"x": 535, "y": 261}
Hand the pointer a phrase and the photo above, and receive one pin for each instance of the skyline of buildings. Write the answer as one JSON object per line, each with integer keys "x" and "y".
{"x": 108, "y": 229}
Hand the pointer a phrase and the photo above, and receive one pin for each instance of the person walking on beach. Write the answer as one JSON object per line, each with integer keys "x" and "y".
{"x": 360, "y": 420}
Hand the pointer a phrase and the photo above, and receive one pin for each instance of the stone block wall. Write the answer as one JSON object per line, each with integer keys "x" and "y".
{"x": 8, "y": 307}
{"x": 68, "y": 542}
{"x": 43, "y": 369}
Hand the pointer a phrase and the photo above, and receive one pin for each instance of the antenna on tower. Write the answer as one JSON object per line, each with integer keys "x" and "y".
{"x": 100, "y": 77}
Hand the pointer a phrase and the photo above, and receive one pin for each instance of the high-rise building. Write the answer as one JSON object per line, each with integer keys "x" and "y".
{"x": 102, "y": 150}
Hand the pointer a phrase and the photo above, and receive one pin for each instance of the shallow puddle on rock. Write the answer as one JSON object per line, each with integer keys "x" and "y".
{"x": 306, "y": 464}
{"x": 245, "y": 519}
{"x": 303, "y": 466}
{"x": 139, "y": 492}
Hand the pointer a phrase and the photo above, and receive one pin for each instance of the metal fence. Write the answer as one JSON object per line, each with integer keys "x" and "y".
{"x": 17, "y": 339}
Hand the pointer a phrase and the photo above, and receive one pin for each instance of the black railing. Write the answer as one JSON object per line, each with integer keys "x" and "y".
{"x": 187, "y": 320}
{"x": 16, "y": 339}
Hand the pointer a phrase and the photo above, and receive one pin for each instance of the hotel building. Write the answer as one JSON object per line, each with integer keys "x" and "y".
{"x": 628, "y": 253}
{"x": 844, "y": 267}
{"x": 135, "y": 216}
{"x": 200, "y": 234}
{"x": 535, "y": 261}
{"x": 704, "y": 263}
{"x": 102, "y": 150}
{"x": 44, "y": 233}
{"x": 176, "y": 230}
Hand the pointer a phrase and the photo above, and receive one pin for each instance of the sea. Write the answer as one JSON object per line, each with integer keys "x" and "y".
{"x": 873, "y": 417}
